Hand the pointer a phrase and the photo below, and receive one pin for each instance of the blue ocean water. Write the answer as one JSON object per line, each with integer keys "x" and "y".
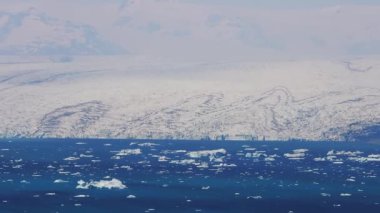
{"x": 66, "y": 175}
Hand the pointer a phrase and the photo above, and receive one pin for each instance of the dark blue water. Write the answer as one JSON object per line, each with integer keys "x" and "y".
{"x": 168, "y": 176}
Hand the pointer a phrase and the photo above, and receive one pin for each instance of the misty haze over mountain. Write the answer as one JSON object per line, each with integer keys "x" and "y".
{"x": 202, "y": 30}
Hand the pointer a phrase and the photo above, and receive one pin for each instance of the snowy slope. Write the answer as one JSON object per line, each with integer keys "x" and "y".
{"x": 30, "y": 32}
{"x": 123, "y": 97}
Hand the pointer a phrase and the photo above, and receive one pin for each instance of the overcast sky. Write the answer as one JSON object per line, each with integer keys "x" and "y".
{"x": 225, "y": 28}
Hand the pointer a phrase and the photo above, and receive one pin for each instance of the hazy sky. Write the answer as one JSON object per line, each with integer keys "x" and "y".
{"x": 225, "y": 28}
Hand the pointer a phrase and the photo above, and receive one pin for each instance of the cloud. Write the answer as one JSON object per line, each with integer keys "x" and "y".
{"x": 31, "y": 32}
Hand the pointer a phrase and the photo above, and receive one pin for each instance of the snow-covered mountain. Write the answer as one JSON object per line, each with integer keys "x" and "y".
{"x": 31, "y": 32}
{"x": 124, "y": 97}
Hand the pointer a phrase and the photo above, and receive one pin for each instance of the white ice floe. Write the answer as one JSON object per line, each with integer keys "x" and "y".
{"x": 183, "y": 162}
{"x": 173, "y": 151}
{"x": 202, "y": 165}
{"x": 319, "y": 159}
{"x": 261, "y": 154}
{"x": 370, "y": 158}
{"x": 60, "y": 181}
{"x": 126, "y": 167}
{"x": 325, "y": 195}
{"x": 330, "y": 158}
{"x": 300, "y": 150}
{"x": 225, "y": 165}
{"x": 344, "y": 153}
{"x": 337, "y": 162}
{"x": 125, "y": 152}
{"x": 345, "y": 194}
{"x": 206, "y": 153}
{"x": 256, "y": 154}
{"x": 294, "y": 155}
{"x": 268, "y": 159}
{"x": 163, "y": 158}
{"x": 211, "y": 154}
{"x": 86, "y": 156}
{"x": 108, "y": 184}
{"x": 71, "y": 159}
{"x": 131, "y": 196}
{"x": 76, "y": 174}
{"x": 297, "y": 154}
{"x": 81, "y": 196}
{"x": 147, "y": 144}
{"x": 255, "y": 197}
{"x": 50, "y": 194}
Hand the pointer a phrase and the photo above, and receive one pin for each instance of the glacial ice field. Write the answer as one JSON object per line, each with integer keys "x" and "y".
{"x": 142, "y": 97}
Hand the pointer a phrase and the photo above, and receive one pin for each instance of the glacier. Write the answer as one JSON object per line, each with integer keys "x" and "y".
{"x": 156, "y": 98}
